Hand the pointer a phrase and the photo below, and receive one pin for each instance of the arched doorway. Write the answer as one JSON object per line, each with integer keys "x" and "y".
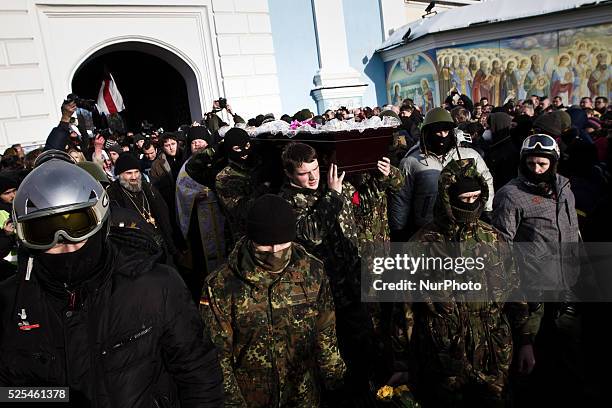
{"x": 156, "y": 84}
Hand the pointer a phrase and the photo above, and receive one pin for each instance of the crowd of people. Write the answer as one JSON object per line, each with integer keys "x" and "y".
{"x": 183, "y": 268}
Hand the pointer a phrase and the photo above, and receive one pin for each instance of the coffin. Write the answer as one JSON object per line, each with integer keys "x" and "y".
{"x": 353, "y": 151}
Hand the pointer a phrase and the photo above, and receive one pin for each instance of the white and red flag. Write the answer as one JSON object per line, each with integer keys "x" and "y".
{"x": 109, "y": 99}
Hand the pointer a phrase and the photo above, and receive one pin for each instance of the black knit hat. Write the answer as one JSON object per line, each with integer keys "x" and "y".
{"x": 235, "y": 137}
{"x": 138, "y": 137}
{"x": 126, "y": 162}
{"x": 198, "y": 132}
{"x": 115, "y": 148}
{"x": 271, "y": 221}
{"x": 549, "y": 124}
{"x": 464, "y": 185}
{"x": 7, "y": 183}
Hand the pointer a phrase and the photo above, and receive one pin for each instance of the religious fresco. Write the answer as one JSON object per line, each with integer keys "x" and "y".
{"x": 472, "y": 69}
{"x": 414, "y": 77}
{"x": 588, "y": 51}
{"x": 570, "y": 63}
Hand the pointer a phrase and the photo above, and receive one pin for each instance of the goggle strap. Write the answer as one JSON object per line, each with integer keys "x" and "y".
{"x": 29, "y": 268}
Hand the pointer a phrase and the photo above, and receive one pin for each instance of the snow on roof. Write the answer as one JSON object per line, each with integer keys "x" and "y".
{"x": 491, "y": 11}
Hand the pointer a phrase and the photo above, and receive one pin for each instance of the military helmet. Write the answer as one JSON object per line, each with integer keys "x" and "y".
{"x": 439, "y": 115}
{"x": 58, "y": 202}
{"x": 540, "y": 145}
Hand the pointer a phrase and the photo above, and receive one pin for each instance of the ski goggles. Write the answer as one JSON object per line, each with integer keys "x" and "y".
{"x": 540, "y": 142}
{"x": 71, "y": 226}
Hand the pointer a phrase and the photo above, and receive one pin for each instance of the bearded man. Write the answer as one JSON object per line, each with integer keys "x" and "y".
{"x": 130, "y": 191}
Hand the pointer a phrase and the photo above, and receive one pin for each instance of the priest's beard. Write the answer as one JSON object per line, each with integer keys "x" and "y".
{"x": 131, "y": 187}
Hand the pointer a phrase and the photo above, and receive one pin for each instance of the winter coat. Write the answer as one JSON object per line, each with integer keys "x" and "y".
{"x": 502, "y": 153}
{"x": 161, "y": 174}
{"x": 195, "y": 200}
{"x": 523, "y": 215}
{"x": 159, "y": 210}
{"x": 277, "y": 331}
{"x": 413, "y": 206}
{"x": 326, "y": 227}
{"x": 548, "y": 223}
{"x": 237, "y": 188}
{"x": 460, "y": 346}
{"x": 369, "y": 204}
{"x": 579, "y": 122}
{"x": 164, "y": 179}
{"x": 130, "y": 336}
{"x": 59, "y": 138}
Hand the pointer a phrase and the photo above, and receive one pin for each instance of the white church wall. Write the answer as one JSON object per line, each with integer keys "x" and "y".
{"x": 227, "y": 43}
{"x": 25, "y": 103}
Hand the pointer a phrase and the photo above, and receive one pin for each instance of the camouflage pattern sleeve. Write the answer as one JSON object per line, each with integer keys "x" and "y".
{"x": 401, "y": 325}
{"x": 236, "y": 193}
{"x": 525, "y": 330}
{"x": 400, "y": 203}
{"x": 394, "y": 181}
{"x": 231, "y": 189}
{"x": 222, "y": 333}
{"x": 331, "y": 365}
{"x": 315, "y": 222}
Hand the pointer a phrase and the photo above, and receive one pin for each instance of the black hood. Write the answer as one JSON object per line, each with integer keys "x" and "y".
{"x": 134, "y": 251}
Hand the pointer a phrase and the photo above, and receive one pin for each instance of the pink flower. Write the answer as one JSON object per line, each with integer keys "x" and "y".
{"x": 295, "y": 124}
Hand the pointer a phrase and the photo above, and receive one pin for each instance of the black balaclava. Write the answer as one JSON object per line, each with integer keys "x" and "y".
{"x": 76, "y": 267}
{"x": 465, "y": 212}
{"x": 406, "y": 123}
{"x": 549, "y": 177}
{"x": 240, "y": 138}
{"x": 438, "y": 144}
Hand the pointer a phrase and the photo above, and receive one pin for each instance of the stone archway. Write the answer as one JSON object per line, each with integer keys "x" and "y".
{"x": 157, "y": 84}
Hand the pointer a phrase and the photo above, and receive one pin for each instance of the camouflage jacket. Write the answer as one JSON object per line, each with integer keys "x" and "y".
{"x": 276, "y": 331}
{"x": 370, "y": 205}
{"x": 457, "y": 341}
{"x": 326, "y": 227}
{"x": 237, "y": 187}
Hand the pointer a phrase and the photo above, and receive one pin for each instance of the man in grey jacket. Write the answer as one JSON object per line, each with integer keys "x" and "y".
{"x": 412, "y": 207}
{"x": 537, "y": 210}
{"x": 538, "y": 207}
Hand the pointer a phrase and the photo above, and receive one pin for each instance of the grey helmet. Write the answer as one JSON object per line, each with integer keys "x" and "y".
{"x": 53, "y": 154}
{"x": 58, "y": 202}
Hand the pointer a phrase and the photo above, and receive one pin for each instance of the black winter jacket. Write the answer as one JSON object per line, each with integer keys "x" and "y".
{"x": 159, "y": 209}
{"x": 133, "y": 337}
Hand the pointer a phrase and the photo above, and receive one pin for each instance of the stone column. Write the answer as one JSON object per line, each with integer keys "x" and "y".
{"x": 336, "y": 82}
